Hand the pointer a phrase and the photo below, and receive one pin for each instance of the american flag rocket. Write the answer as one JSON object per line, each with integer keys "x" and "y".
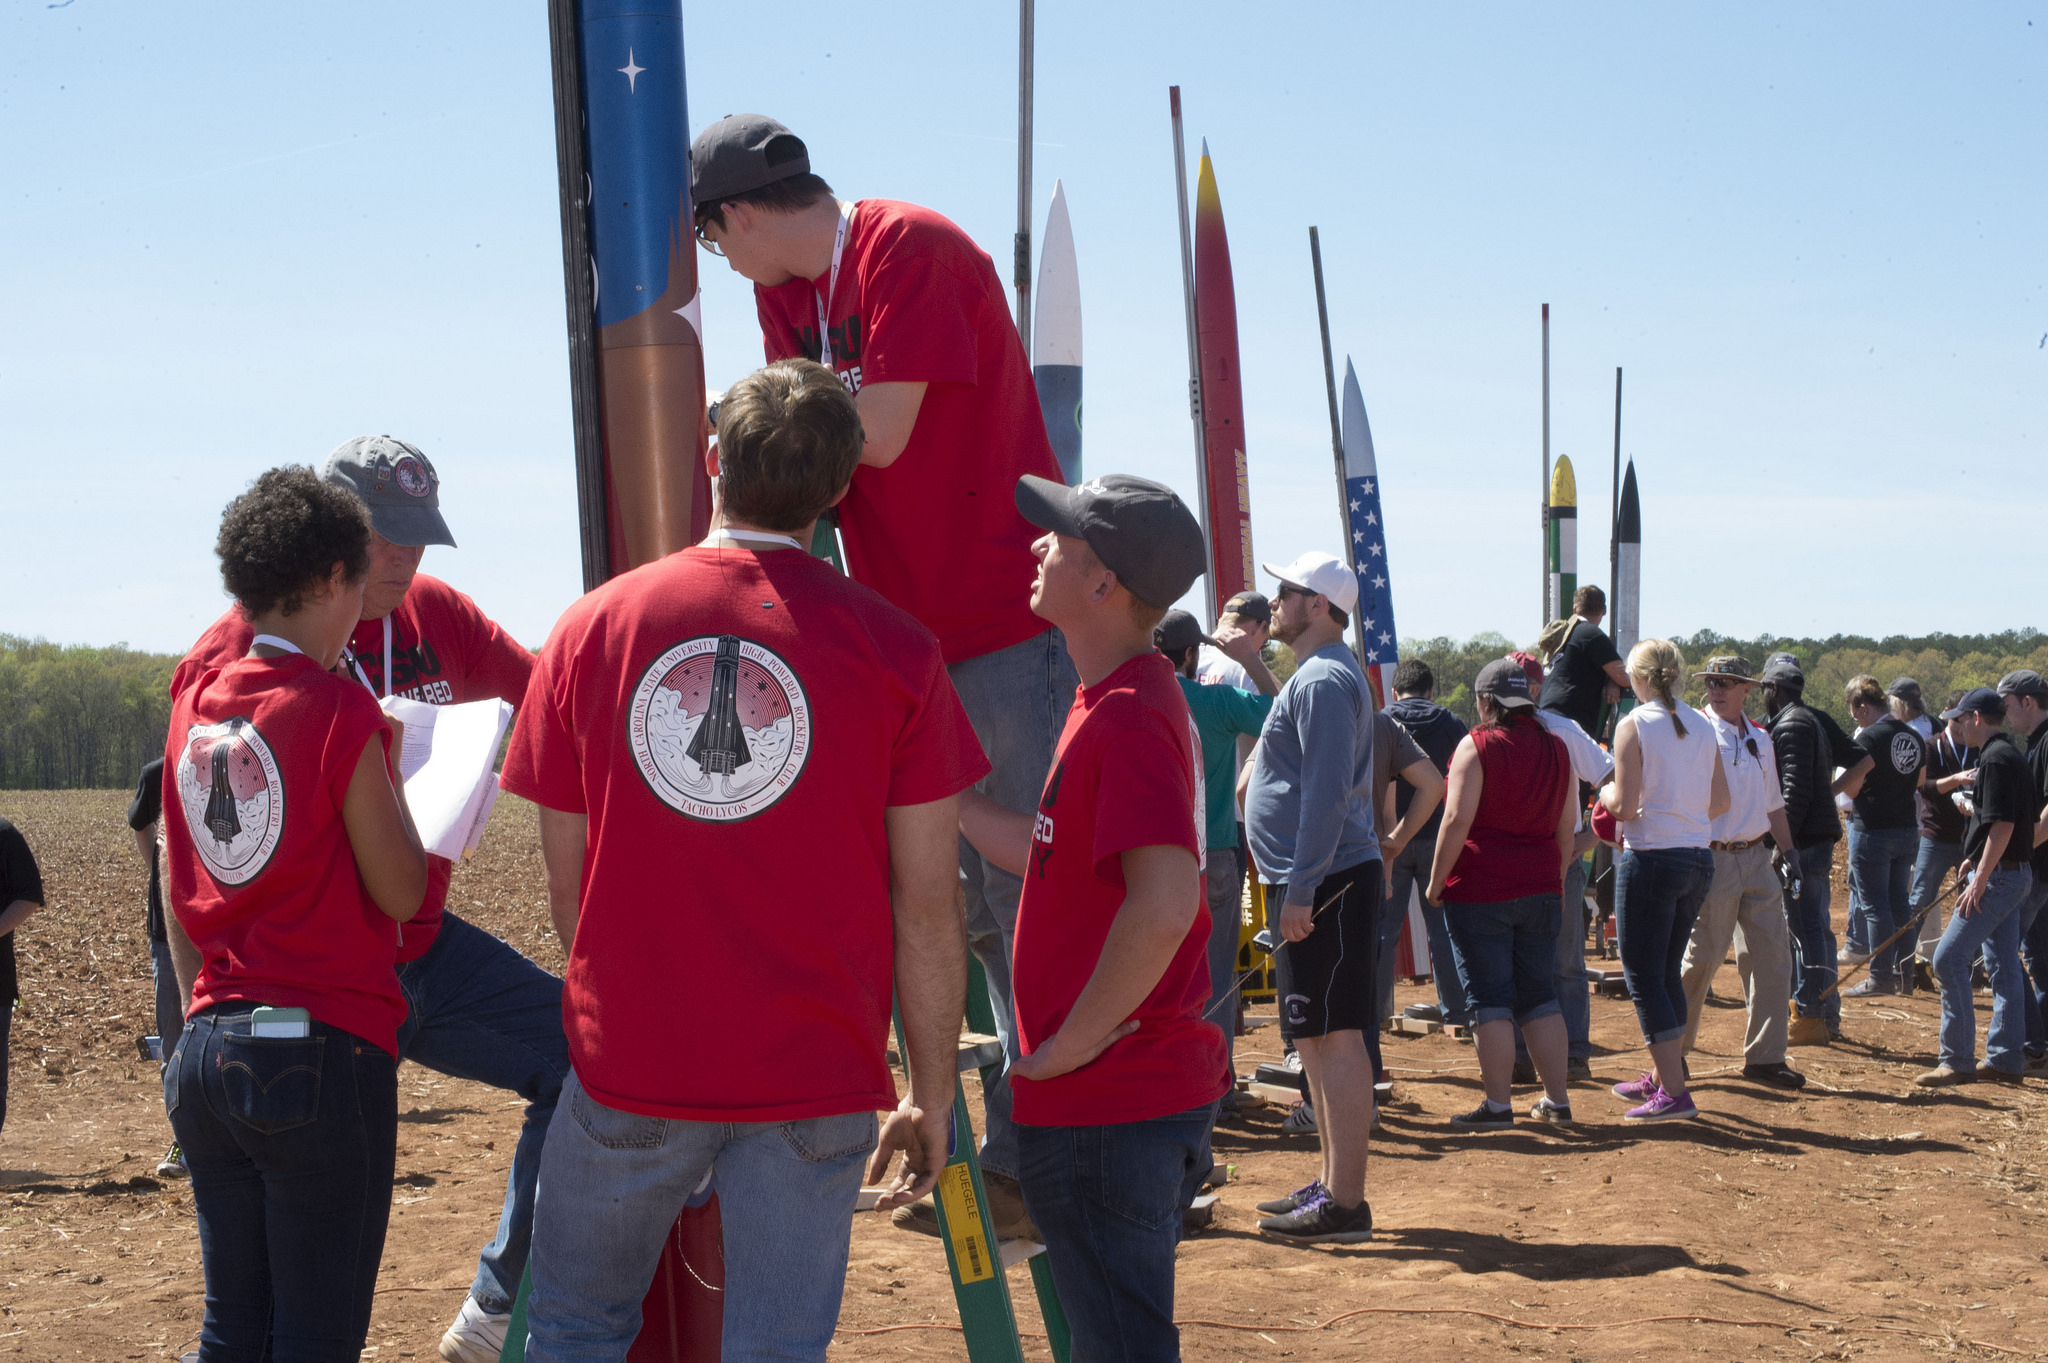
{"x": 1378, "y": 645}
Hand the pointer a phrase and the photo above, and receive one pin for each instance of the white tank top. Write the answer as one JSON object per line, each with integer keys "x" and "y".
{"x": 1678, "y": 778}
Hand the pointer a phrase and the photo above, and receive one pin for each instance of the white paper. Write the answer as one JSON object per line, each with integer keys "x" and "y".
{"x": 448, "y": 764}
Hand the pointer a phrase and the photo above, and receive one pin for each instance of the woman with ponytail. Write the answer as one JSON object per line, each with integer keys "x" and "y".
{"x": 1668, "y": 788}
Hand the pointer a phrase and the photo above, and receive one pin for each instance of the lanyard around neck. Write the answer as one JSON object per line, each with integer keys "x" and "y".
{"x": 363, "y": 676}
{"x": 272, "y": 641}
{"x": 742, "y": 538}
{"x": 831, "y": 284}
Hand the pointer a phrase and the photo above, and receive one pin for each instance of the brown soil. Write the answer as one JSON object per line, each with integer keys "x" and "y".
{"x": 1862, "y": 1217}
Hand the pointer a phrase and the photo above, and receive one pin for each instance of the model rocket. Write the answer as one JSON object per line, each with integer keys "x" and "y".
{"x": 1628, "y": 571}
{"x": 1225, "y": 483}
{"x": 1379, "y": 645}
{"x": 1563, "y": 547}
{"x": 1056, "y": 338}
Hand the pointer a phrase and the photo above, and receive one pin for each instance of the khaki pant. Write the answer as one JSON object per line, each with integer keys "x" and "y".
{"x": 1744, "y": 904}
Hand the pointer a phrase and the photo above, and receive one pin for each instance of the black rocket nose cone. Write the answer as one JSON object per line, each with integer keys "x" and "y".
{"x": 1630, "y": 529}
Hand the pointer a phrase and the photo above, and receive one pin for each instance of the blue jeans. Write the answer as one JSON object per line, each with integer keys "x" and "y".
{"x": 1930, "y": 868}
{"x": 477, "y": 1009}
{"x": 1568, "y": 970}
{"x": 1996, "y": 927}
{"x": 1505, "y": 952}
{"x": 1017, "y": 699}
{"x": 1813, "y": 936}
{"x": 1409, "y": 876}
{"x": 1223, "y": 884}
{"x": 612, "y": 1184}
{"x": 2034, "y": 955}
{"x": 1108, "y": 1200}
{"x": 1657, "y": 897}
{"x": 291, "y": 1143}
{"x": 1860, "y": 921}
{"x": 1881, "y": 870}
{"x": 170, "y": 1007}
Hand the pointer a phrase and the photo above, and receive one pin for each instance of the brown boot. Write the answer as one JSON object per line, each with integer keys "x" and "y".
{"x": 1807, "y": 1031}
{"x": 1005, "y": 1211}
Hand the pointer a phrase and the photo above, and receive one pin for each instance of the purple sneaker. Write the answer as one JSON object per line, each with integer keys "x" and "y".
{"x": 1637, "y": 1090}
{"x": 1662, "y": 1107}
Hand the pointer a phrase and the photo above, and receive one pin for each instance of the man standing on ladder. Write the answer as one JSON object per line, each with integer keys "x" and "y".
{"x": 910, "y": 314}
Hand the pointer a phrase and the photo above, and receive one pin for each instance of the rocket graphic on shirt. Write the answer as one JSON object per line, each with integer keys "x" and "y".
{"x": 720, "y": 727}
{"x": 233, "y": 798}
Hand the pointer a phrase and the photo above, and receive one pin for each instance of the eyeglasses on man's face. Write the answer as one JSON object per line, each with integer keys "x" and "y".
{"x": 707, "y": 243}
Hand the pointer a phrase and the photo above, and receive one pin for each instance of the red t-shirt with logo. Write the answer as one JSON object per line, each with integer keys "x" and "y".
{"x": 1128, "y": 773}
{"x": 257, "y": 859}
{"x": 444, "y": 651}
{"x": 937, "y": 532}
{"x": 735, "y": 727}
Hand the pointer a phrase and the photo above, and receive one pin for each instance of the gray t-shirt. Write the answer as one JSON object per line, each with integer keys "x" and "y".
{"x": 1308, "y": 810}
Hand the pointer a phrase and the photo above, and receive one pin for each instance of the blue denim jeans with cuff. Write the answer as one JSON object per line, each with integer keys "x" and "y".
{"x": 291, "y": 1142}
{"x": 1505, "y": 952}
{"x": 1931, "y": 866}
{"x": 1996, "y": 928}
{"x": 612, "y": 1184}
{"x": 1568, "y": 970}
{"x": 1108, "y": 1200}
{"x": 1657, "y": 898}
{"x": 1017, "y": 699}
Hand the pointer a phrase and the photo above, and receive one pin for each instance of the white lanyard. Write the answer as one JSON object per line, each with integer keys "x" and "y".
{"x": 363, "y": 676}
{"x": 831, "y": 283}
{"x": 274, "y": 642}
{"x": 742, "y": 538}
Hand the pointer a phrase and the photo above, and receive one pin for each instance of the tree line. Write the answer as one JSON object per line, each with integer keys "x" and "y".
{"x": 76, "y": 716}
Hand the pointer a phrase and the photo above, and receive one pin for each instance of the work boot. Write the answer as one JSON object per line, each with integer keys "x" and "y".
{"x": 1807, "y": 1031}
{"x": 1005, "y": 1211}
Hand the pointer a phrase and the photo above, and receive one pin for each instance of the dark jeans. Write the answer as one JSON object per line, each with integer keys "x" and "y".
{"x": 1994, "y": 929}
{"x": 1657, "y": 897}
{"x": 477, "y": 1009}
{"x": 1881, "y": 868}
{"x": 170, "y": 1005}
{"x": 1109, "y": 1199}
{"x": 291, "y": 1143}
{"x": 1813, "y": 937}
{"x": 6, "y": 1026}
{"x": 2034, "y": 955}
{"x": 1930, "y": 868}
{"x": 1568, "y": 971}
{"x": 1504, "y": 953}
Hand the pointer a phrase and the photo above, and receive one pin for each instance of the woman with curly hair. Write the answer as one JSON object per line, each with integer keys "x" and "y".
{"x": 291, "y": 860}
{"x": 1668, "y": 788}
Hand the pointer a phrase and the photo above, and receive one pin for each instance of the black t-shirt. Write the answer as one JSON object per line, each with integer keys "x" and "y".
{"x": 19, "y": 879}
{"x": 1577, "y": 681}
{"x": 2037, "y": 762}
{"x": 2005, "y": 793}
{"x": 1940, "y": 820}
{"x": 144, "y": 810}
{"x": 1897, "y": 754}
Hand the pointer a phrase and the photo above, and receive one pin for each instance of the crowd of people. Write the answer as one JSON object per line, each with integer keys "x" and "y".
{"x": 775, "y": 800}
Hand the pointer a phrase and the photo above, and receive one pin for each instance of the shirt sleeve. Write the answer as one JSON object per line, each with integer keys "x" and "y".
{"x": 1328, "y": 717}
{"x": 148, "y": 804}
{"x": 18, "y": 869}
{"x": 544, "y": 761}
{"x": 1600, "y": 649}
{"x": 1244, "y": 712}
{"x": 921, "y": 320}
{"x": 1145, "y": 795}
{"x": 1407, "y": 752}
{"x": 2002, "y": 793}
{"x": 936, "y": 752}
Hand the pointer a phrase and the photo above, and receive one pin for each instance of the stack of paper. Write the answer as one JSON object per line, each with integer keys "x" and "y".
{"x": 448, "y": 764}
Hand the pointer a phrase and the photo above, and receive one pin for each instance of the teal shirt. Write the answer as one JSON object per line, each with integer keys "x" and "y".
{"x": 1221, "y": 714}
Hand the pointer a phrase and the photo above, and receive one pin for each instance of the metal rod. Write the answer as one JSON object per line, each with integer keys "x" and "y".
{"x": 1543, "y": 482}
{"x": 1614, "y": 497}
{"x": 1026, "y": 41}
{"x": 1187, "y": 284}
{"x": 1315, "y": 255}
{"x": 573, "y": 184}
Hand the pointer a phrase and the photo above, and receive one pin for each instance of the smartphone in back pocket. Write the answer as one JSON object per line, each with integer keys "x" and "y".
{"x": 282, "y": 1022}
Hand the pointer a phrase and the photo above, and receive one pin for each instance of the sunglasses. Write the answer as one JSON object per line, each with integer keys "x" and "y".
{"x": 697, "y": 230}
{"x": 1288, "y": 589}
{"x": 1723, "y": 683}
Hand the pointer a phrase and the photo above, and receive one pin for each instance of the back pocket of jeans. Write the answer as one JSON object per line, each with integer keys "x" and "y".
{"x": 821, "y": 1140}
{"x": 272, "y": 1084}
{"x": 613, "y": 1128}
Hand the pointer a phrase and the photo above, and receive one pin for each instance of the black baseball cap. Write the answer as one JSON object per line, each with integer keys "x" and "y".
{"x": 1905, "y": 689}
{"x": 1507, "y": 682}
{"x": 2023, "y": 681}
{"x": 1782, "y": 669}
{"x": 741, "y": 153}
{"x": 1252, "y": 606}
{"x": 1141, "y": 530}
{"x": 397, "y": 483}
{"x": 1981, "y": 700}
{"x": 1179, "y": 631}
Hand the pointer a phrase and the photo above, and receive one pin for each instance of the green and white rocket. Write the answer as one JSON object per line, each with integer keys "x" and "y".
{"x": 1562, "y": 549}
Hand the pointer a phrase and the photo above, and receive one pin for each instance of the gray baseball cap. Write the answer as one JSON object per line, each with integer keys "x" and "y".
{"x": 741, "y": 153}
{"x": 1141, "y": 530}
{"x": 2023, "y": 681}
{"x": 397, "y": 483}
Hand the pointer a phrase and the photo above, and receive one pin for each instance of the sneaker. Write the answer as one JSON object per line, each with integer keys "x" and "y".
{"x": 1557, "y": 1114}
{"x": 477, "y": 1336}
{"x": 1805, "y": 1031}
{"x": 1300, "y": 1197}
{"x": 1292, "y": 1060}
{"x": 1850, "y": 956}
{"x": 173, "y": 1165}
{"x": 1005, "y": 1211}
{"x": 1662, "y": 1107}
{"x": 1945, "y": 1076}
{"x": 1636, "y": 1090}
{"x": 1484, "y": 1118}
{"x": 1424, "y": 1012}
{"x": 1578, "y": 1072}
{"x": 1870, "y": 988}
{"x": 1300, "y": 1120}
{"x": 1778, "y": 1076}
{"x": 2037, "y": 1064}
{"x": 1320, "y": 1221}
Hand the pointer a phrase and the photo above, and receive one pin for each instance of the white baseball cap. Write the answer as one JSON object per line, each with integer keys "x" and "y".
{"x": 1324, "y": 574}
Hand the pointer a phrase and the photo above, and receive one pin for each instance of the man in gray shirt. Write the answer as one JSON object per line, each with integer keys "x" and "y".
{"x": 1309, "y": 821}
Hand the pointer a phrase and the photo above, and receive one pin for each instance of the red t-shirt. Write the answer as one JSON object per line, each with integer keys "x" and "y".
{"x": 444, "y": 651}
{"x": 735, "y": 726}
{"x": 258, "y": 861}
{"x": 1128, "y": 773}
{"x": 1511, "y": 849}
{"x": 937, "y": 532}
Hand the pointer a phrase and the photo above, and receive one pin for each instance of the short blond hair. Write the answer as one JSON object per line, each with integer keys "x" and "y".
{"x": 1659, "y": 665}
{"x": 789, "y": 439}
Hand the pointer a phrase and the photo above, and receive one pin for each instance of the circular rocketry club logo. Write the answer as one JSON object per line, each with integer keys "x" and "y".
{"x": 412, "y": 476}
{"x": 1905, "y": 754}
{"x": 720, "y": 728}
{"x": 233, "y": 797}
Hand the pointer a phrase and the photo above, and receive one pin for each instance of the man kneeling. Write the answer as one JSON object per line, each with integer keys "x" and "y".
{"x": 747, "y": 767}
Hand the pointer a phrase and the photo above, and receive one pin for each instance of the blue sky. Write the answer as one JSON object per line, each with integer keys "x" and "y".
{"x": 1812, "y": 236}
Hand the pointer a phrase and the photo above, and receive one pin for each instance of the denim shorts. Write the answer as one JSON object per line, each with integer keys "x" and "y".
{"x": 1505, "y": 953}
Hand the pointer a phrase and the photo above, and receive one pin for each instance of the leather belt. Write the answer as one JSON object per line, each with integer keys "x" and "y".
{"x": 1740, "y": 845}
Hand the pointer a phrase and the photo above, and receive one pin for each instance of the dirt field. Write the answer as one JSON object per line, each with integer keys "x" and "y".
{"x": 1862, "y": 1217}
